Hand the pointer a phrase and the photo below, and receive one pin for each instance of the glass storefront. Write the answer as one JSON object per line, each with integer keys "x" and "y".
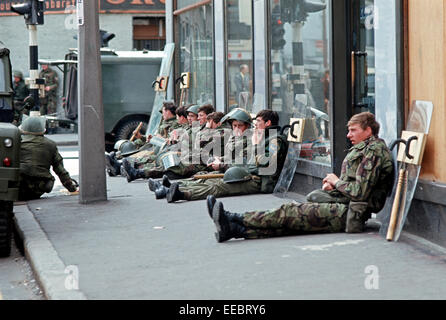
{"x": 321, "y": 60}
{"x": 195, "y": 29}
{"x": 239, "y": 53}
{"x": 300, "y": 71}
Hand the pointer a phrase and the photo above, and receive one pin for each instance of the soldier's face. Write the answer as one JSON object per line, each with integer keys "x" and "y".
{"x": 356, "y": 134}
{"x": 202, "y": 117}
{"x": 191, "y": 117}
{"x": 261, "y": 124}
{"x": 238, "y": 127}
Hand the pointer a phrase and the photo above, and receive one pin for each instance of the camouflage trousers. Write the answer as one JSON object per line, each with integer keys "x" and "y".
{"x": 154, "y": 170}
{"x": 296, "y": 218}
{"x": 48, "y": 105}
{"x": 33, "y": 187}
{"x": 201, "y": 188}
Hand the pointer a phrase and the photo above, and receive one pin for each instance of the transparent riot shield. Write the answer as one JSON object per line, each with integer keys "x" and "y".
{"x": 418, "y": 121}
{"x": 160, "y": 96}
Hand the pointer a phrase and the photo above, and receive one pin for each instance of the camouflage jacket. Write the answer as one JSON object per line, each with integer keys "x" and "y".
{"x": 37, "y": 155}
{"x": 367, "y": 173}
{"x": 167, "y": 126}
{"x": 268, "y": 158}
{"x": 20, "y": 91}
{"x": 51, "y": 79}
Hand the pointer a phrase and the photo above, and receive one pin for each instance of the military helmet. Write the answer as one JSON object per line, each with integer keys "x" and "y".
{"x": 18, "y": 74}
{"x": 128, "y": 148}
{"x": 238, "y": 114}
{"x": 193, "y": 109}
{"x": 119, "y": 143}
{"x": 34, "y": 125}
{"x": 236, "y": 174}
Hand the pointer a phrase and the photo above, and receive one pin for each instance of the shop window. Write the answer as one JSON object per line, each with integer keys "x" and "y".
{"x": 300, "y": 71}
{"x": 239, "y": 50}
{"x": 149, "y": 33}
{"x": 195, "y": 29}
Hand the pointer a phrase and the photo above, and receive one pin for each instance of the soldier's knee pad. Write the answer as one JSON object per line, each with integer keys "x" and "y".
{"x": 357, "y": 215}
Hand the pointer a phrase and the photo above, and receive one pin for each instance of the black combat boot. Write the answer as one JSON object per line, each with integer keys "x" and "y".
{"x": 153, "y": 184}
{"x": 227, "y": 223}
{"x": 174, "y": 193}
{"x": 165, "y": 181}
{"x": 113, "y": 166}
{"x": 210, "y": 202}
{"x": 161, "y": 192}
{"x": 129, "y": 172}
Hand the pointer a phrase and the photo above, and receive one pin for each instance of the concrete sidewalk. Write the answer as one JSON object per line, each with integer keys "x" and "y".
{"x": 135, "y": 247}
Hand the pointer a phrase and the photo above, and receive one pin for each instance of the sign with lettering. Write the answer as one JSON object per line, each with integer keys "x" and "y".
{"x": 105, "y": 6}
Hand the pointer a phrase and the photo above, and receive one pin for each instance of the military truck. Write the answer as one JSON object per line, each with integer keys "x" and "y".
{"x": 127, "y": 91}
{"x": 9, "y": 158}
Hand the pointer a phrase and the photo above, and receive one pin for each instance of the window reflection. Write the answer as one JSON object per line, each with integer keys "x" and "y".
{"x": 239, "y": 34}
{"x": 196, "y": 54}
{"x": 300, "y": 71}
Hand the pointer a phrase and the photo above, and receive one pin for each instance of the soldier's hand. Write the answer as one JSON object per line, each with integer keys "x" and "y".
{"x": 137, "y": 134}
{"x": 327, "y": 187}
{"x": 331, "y": 178}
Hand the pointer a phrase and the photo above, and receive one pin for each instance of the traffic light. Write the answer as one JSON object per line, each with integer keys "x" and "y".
{"x": 277, "y": 30}
{"x": 298, "y": 10}
{"x": 32, "y": 11}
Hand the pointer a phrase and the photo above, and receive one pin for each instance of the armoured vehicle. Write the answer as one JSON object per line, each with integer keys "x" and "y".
{"x": 127, "y": 92}
{"x": 9, "y": 158}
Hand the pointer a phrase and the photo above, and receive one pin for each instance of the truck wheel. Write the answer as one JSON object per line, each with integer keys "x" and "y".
{"x": 125, "y": 130}
{"x": 5, "y": 228}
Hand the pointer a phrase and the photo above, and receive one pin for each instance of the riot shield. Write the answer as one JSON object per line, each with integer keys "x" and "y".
{"x": 160, "y": 96}
{"x": 403, "y": 191}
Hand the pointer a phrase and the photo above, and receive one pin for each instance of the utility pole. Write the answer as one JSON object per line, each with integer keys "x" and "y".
{"x": 92, "y": 179}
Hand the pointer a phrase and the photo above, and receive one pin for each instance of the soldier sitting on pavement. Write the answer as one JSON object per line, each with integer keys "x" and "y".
{"x": 343, "y": 204}
{"x": 211, "y": 138}
{"x": 155, "y": 169}
{"x": 258, "y": 172}
{"x": 142, "y": 147}
{"x": 37, "y": 155}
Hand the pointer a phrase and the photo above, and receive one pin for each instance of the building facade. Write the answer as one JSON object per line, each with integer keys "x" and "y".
{"x": 323, "y": 60}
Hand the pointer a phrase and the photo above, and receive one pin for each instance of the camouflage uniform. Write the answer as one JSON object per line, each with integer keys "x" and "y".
{"x": 275, "y": 151}
{"x": 147, "y": 150}
{"x": 37, "y": 155}
{"x": 367, "y": 176}
{"x": 20, "y": 93}
{"x": 48, "y": 104}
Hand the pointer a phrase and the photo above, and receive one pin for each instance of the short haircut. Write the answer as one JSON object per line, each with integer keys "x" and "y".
{"x": 206, "y": 108}
{"x": 182, "y": 111}
{"x": 169, "y": 105}
{"x": 215, "y": 116}
{"x": 269, "y": 115}
{"x": 365, "y": 119}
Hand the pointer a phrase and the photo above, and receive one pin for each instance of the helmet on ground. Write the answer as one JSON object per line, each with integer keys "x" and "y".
{"x": 34, "y": 125}
{"x": 128, "y": 148}
{"x": 119, "y": 143}
{"x": 193, "y": 109}
{"x": 238, "y": 114}
{"x": 236, "y": 174}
